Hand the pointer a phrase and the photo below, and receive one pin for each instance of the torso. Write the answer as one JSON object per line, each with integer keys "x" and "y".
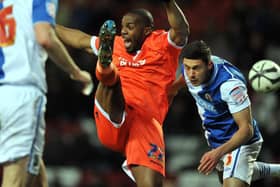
{"x": 22, "y": 59}
{"x": 214, "y": 111}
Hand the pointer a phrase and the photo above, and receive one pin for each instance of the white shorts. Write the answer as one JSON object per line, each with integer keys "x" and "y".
{"x": 22, "y": 124}
{"x": 240, "y": 162}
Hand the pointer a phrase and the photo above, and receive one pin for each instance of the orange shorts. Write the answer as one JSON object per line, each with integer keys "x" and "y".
{"x": 139, "y": 138}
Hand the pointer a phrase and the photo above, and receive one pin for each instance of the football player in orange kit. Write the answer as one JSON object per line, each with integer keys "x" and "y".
{"x": 134, "y": 72}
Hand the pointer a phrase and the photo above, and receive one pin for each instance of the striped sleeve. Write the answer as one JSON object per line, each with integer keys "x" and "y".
{"x": 234, "y": 93}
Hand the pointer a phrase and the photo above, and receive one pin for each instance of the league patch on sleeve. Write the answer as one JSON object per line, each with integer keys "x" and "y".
{"x": 51, "y": 9}
{"x": 238, "y": 95}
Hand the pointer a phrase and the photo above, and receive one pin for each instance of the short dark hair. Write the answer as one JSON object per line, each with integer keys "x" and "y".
{"x": 196, "y": 50}
{"x": 144, "y": 15}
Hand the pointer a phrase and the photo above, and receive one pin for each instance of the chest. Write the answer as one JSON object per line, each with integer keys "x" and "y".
{"x": 210, "y": 100}
{"x": 142, "y": 59}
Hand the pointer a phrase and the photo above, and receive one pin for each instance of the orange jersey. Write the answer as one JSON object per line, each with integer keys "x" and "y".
{"x": 146, "y": 75}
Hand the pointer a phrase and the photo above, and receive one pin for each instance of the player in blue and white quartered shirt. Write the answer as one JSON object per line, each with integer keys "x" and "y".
{"x": 220, "y": 92}
{"x": 222, "y": 95}
{"x": 27, "y": 38}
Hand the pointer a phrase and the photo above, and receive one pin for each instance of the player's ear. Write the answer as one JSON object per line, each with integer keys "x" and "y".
{"x": 210, "y": 65}
{"x": 147, "y": 30}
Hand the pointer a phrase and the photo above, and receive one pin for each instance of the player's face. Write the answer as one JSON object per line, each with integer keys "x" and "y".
{"x": 197, "y": 71}
{"x": 133, "y": 32}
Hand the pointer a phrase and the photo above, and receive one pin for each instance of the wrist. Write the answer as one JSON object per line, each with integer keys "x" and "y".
{"x": 75, "y": 73}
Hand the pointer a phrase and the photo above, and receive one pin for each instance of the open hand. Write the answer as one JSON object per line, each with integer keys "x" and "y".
{"x": 208, "y": 162}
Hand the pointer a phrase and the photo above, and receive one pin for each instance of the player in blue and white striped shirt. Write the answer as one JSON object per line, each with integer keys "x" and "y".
{"x": 220, "y": 92}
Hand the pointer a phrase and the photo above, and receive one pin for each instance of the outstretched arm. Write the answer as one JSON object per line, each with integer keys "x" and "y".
{"x": 74, "y": 38}
{"x": 46, "y": 37}
{"x": 179, "y": 30}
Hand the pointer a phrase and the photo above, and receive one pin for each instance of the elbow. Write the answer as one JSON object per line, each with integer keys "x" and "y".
{"x": 182, "y": 38}
{"x": 183, "y": 35}
{"x": 46, "y": 37}
{"x": 45, "y": 42}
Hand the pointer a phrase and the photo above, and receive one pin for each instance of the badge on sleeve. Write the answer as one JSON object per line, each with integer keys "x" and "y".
{"x": 51, "y": 8}
{"x": 238, "y": 94}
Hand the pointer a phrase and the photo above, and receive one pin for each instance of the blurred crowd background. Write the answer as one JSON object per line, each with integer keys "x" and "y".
{"x": 241, "y": 31}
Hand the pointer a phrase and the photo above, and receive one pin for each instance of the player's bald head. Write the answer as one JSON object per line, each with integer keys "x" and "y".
{"x": 144, "y": 16}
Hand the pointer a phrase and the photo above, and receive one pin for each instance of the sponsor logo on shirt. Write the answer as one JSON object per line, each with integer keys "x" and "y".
{"x": 124, "y": 62}
{"x": 208, "y": 97}
{"x": 238, "y": 95}
{"x": 204, "y": 104}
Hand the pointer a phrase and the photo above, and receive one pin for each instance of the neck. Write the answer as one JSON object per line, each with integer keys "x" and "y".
{"x": 209, "y": 75}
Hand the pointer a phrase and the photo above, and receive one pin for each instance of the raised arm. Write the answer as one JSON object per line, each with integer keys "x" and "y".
{"x": 179, "y": 30}
{"x": 46, "y": 37}
{"x": 74, "y": 38}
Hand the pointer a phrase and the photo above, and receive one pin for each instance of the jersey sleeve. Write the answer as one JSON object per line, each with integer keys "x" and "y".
{"x": 94, "y": 43}
{"x": 170, "y": 50}
{"x": 234, "y": 93}
{"x": 173, "y": 43}
{"x": 44, "y": 11}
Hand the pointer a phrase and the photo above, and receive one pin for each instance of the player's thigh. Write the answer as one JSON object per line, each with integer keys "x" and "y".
{"x": 111, "y": 99}
{"x": 112, "y": 135}
{"x": 145, "y": 145}
{"x": 146, "y": 177}
{"x": 16, "y": 174}
{"x": 239, "y": 164}
{"x": 234, "y": 182}
{"x": 22, "y": 124}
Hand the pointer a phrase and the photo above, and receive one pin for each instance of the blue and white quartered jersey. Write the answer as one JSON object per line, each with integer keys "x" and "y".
{"x": 224, "y": 94}
{"x": 22, "y": 59}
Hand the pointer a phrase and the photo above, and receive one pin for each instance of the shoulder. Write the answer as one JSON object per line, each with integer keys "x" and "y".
{"x": 160, "y": 39}
{"x": 44, "y": 11}
{"x": 234, "y": 90}
{"x": 231, "y": 84}
{"x": 156, "y": 37}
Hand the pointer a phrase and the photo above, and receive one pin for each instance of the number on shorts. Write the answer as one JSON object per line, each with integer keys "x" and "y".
{"x": 155, "y": 152}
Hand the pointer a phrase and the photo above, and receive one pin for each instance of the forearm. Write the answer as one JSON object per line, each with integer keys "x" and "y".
{"x": 178, "y": 22}
{"x": 178, "y": 83}
{"x": 73, "y": 37}
{"x": 242, "y": 136}
{"x": 60, "y": 56}
{"x": 245, "y": 132}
